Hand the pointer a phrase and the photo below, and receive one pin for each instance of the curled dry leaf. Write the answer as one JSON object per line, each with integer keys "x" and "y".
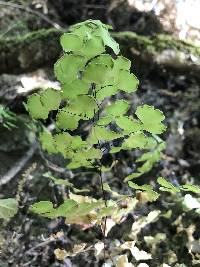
{"x": 78, "y": 248}
{"x": 137, "y": 254}
{"x": 98, "y": 248}
{"x": 142, "y": 222}
{"x": 140, "y": 254}
{"x": 61, "y": 254}
{"x": 57, "y": 235}
{"x": 122, "y": 261}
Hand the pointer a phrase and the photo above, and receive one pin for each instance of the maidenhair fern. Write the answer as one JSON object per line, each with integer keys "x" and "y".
{"x": 89, "y": 76}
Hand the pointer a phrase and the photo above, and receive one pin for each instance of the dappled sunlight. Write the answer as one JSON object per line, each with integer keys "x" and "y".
{"x": 180, "y": 16}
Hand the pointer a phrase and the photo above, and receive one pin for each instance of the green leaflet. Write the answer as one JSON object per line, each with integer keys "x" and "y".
{"x": 67, "y": 144}
{"x": 75, "y": 164}
{"x": 167, "y": 186}
{"x": 135, "y": 140}
{"x": 66, "y": 121}
{"x": 127, "y": 81}
{"x": 77, "y": 143}
{"x": 107, "y": 39}
{"x": 106, "y": 211}
{"x": 75, "y": 209}
{"x": 117, "y": 108}
{"x": 42, "y": 207}
{"x": 68, "y": 67}
{"x": 132, "y": 176}
{"x": 93, "y": 47}
{"x": 128, "y": 124}
{"x": 47, "y": 142}
{"x": 149, "y": 159}
{"x": 98, "y": 73}
{"x": 152, "y": 143}
{"x": 39, "y": 106}
{"x": 46, "y": 209}
{"x": 84, "y": 106}
{"x": 84, "y": 158}
{"x": 149, "y": 156}
{"x": 115, "y": 149}
{"x": 64, "y": 182}
{"x": 191, "y": 188}
{"x": 88, "y": 154}
{"x": 51, "y": 99}
{"x": 99, "y": 133}
{"x": 144, "y": 187}
{"x": 107, "y": 188}
{"x": 79, "y": 209}
{"x": 152, "y": 195}
{"x": 63, "y": 143}
{"x": 82, "y": 212}
{"x": 83, "y": 30}
{"x": 35, "y": 107}
{"x": 121, "y": 63}
{"x": 71, "y": 42}
{"x": 151, "y": 119}
{"x": 103, "y": 121}
{"x": 8, "y": 208}
{"x": 106, "y": 91}
{"x": 146, "y": 167}
{"x": 75, "y": 88}
{"x": 58, "y": 181}
{"x": 90, "y": 28}
{"x": 64, "y": 209}
{"x": 104, "y": 59}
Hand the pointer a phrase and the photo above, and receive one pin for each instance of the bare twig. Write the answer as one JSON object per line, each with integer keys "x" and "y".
{"x": 42, "y": 244}
{"x": 95, "y": 6}
{"x": 104, "y": 222}
{"x": 29, "y": 10}
{"x": 19, "y": 165}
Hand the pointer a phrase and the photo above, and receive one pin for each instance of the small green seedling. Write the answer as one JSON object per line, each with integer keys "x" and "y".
{"x": 90, "y": 77}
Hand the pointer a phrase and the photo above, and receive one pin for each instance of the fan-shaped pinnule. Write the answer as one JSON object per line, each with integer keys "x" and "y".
{"x": 88, "y": 75}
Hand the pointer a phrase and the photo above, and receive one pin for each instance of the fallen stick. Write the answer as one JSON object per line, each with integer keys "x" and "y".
{"x": 19, "y": 165}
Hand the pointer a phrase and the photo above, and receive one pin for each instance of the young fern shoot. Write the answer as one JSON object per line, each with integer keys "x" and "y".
{"x": 89, "y": 75}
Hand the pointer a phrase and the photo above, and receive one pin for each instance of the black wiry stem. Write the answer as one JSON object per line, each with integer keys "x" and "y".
{"x": 104, "y": 221}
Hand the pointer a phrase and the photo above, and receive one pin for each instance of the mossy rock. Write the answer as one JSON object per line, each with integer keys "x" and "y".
{"x": 30, "y": 51}
{"x": 41, "y": 48}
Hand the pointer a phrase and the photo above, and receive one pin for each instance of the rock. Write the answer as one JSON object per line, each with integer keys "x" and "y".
{"x": 19, "y": 86}
{"x": 41, "y": 48}
{"x": 30, "y": 51}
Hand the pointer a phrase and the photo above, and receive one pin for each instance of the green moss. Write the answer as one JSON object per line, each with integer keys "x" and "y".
{"x": 155, "y": 43}
{"x": 39, "y": 48}
{"x": 30, "y": 37}
{"x": 29, "y": 51}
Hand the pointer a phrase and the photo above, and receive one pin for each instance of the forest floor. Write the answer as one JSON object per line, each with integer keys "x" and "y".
{"x": 173, "y": 237}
